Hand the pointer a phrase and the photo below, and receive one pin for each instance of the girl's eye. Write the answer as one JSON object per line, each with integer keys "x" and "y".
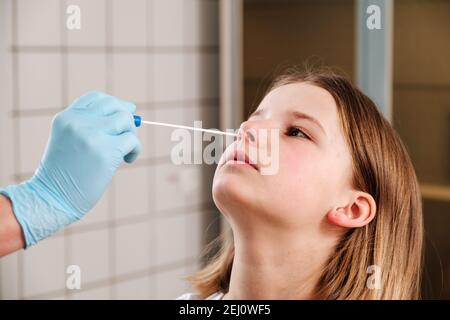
{"x": 296, "y": 132}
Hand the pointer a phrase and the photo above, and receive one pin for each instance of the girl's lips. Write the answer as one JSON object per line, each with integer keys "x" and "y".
{"x": 240, "y": 157}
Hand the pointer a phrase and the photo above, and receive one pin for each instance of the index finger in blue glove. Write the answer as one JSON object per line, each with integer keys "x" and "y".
{"x": 120, "y": 122}
{"x": 108, "y": 105}
{"x": 86, "y": 99}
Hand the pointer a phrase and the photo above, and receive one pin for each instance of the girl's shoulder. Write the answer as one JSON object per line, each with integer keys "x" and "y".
{"x": 194, "y": 296}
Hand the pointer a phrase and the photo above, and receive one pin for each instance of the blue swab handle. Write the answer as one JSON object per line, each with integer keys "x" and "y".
{"x": 137, "y": 120}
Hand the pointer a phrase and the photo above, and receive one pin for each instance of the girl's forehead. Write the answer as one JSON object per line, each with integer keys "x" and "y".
{"x": 304, "y": 97}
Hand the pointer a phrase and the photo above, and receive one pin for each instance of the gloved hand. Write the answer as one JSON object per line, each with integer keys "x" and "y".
{"x": 88, "y": 142}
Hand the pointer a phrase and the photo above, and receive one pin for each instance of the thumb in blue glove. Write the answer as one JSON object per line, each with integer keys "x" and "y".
{"x": 88, "y": 142}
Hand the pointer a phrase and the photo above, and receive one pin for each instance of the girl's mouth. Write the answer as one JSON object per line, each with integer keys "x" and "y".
{"x": 239, "y": 157}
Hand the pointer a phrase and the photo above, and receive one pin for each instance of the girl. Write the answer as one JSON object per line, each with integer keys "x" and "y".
{"x": 341, "y": 218}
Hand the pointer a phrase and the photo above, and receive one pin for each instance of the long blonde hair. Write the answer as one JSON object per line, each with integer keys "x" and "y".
{"x": 392, "y": 241}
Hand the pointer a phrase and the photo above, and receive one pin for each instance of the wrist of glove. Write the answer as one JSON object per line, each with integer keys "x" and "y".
{"x": 37, "y": 211}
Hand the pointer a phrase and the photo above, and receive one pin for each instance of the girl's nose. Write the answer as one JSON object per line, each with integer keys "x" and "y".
{"x": 255, "y": 130}
{"x": 247, "y": 132}
{"x": 259, "y": 133}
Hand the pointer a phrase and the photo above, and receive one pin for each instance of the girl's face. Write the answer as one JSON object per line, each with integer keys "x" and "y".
{"x": 314, "y": 171}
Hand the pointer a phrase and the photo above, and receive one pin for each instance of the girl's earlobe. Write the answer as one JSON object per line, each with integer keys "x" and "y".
{"x": 356, "y": 214}
{"x": 339, "y": 218}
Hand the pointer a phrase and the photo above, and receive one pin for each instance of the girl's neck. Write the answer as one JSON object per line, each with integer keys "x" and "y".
{"x": 279, "y": 268}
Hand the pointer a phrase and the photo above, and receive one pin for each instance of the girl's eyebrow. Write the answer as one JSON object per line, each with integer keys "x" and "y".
{"x": 296, "y": 115}
{"x": 301, "y": 115}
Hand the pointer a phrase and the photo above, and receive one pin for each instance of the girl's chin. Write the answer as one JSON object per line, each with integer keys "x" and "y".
{"x": 232, "y": 189}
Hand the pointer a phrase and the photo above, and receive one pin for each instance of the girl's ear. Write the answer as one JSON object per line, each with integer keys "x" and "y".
{"x": 358, "y": 213}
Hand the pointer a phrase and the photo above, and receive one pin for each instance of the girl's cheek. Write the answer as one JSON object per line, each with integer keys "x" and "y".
{"x": 294, "y": 159}
{"x": 290, "y": 163}
{"x": 302, "y": 167}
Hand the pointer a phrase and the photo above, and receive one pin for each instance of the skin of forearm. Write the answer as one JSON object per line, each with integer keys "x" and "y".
{"x": 11, "y": 235}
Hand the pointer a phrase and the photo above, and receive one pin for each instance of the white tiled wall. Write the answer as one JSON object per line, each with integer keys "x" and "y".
{"x": 148, "y": 230}
{"x": 44, "y": 267}
{"x": 93, "y": 30}
{"x": 33, "y": 68}
{"x": 133, "y": 201}
{"x": 136, "y": 289}
{"x": 167, "y": 283}
{"x": 130, "y": 22}
{"x": 129, "y": 77}
{"x": 133, "y": 247}
{"x": 169, "y": 32}
{"x": 34, "y": 131}
{"x": 94, "y": 262}
{"x": 86, "y": 71}
{"x": 38, "y": 23}
{"x": 170, "y": 84}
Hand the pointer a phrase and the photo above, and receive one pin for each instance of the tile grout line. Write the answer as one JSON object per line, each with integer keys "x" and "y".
{"x": 117, "y": 49}
{"x": 139, "y": 163}
{"x": 141, "y": 218}
{"x": 185, "y": 92}
{"x": 64, "y": 99}
{"x": 109, "y": 30}
{"x": 17, "y": 156}
{"x": 151, "y": 106}
{"x": 204, "y": 208}
{"x": 150, "y": 173}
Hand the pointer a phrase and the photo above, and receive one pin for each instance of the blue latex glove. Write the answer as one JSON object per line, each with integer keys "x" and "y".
{"x": 88, "y": 142}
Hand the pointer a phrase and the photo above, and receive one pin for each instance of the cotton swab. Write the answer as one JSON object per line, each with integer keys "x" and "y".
{"x": 138, "y": 121}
